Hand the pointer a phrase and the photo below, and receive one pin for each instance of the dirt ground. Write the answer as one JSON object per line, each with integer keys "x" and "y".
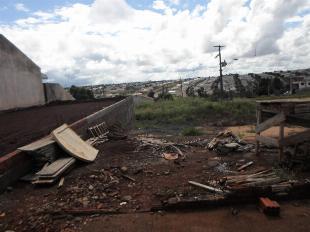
{"x": 104, "y": 186}
{"x": 247, "y": 132}
{"x": 18, "y": 128}
{"x": 294, "y": 216}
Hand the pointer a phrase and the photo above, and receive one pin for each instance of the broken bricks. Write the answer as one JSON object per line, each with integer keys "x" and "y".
{"x": 269, "y": 207}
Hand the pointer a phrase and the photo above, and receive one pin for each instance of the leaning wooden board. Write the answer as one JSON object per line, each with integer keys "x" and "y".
{"x": 73, "y": 144}
{"x": 57, "y": 166}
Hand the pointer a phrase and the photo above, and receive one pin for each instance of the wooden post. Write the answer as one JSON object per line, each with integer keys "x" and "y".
{"x": 281, "y": 137}
{"x": 259, "y": 120}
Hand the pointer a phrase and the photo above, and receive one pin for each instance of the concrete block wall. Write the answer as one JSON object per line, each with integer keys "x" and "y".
{"x": 20, "y": 78}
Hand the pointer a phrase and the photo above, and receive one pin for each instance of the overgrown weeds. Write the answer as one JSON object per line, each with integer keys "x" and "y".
{"x": 191, "y": 131}
{"x": 194, "y": 111}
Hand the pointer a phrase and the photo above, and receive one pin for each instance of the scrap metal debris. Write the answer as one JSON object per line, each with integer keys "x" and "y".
{"x": 226, "y": 142}
{"x": 99, "y": 134}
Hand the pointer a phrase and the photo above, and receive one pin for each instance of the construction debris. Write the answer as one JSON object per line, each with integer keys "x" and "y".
{"x": 42, "y": 151}
{"x": 165, "y": 149}
{"x": 197, "y": 142}
{"x": 50, "y": 173}
{"x": 241, "y": 168}
{"x": 116, "y": 132}
{"x": 128, "y": 177}
{"x": 170, "y": 156}
{"x": 226, "y": 142}
{"x": 73, "y": 144}
{"x": 262, "y": 178}
{"x": 269, "y": 207}
{"x": 209, "y": 188}
{"x": 61, "y": 182}
{"x": 99, "y": 134}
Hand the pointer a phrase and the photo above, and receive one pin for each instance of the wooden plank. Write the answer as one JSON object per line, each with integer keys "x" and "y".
{"x": 55, "y": 166}
{"x": 267, "y": 140}
{"x": 275, "y": 120}
{"x": 207, "y": 187}
{"x": 57, "y": 174}
{"x": 49, "y": 181}
{"x": 37, "y": 144}
{"x": 296, "y": 138}
{"x": 245, "y": 166}
{"x": 73, "y": 144}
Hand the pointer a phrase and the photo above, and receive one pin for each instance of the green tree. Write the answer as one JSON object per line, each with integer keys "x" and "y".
{"x": 81, "y": 93}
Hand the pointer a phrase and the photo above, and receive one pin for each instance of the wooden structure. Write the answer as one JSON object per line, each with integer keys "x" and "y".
{"x": 280, "y": 113}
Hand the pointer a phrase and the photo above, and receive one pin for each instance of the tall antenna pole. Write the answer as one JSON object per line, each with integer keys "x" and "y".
{"x": 221, "y": 74}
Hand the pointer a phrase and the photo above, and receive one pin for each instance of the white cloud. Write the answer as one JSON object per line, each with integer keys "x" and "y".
{"x": 21, "y": 7}
{"x": 110, "y": 41}
{"x": 175, "y": 2}
{"x": 159, "y": 5}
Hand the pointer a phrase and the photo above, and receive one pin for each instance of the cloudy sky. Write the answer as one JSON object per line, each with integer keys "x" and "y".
{"x": 113, "y": 41}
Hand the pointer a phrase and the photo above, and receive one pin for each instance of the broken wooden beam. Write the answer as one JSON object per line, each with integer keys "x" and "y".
{"x": 245, "y": 166}
{"x": 128, "y": 177}
{"x": 275, "y": 120}
{"x": 212, "y": 189}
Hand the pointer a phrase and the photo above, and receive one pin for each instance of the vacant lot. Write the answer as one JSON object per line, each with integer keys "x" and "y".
{"x": 195, "y": 111}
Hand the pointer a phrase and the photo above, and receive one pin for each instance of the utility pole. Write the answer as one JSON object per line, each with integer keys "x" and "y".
{"x": 221, "y": 74}
{"x": 181, "y": 86}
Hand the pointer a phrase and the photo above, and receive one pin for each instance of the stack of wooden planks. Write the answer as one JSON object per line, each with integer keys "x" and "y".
{"x": 50, "y": 173}
{"x": 262, "y": 178}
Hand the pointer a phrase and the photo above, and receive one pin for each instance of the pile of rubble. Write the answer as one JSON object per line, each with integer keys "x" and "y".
{"x": 161, "y": 148}
{"x": 265, "y": 178}
{"x": 226, "y": 142}
{"x": 55, "y": 155}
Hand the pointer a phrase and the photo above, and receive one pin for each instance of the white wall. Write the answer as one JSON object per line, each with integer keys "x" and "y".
{"x": 20, "y": 79}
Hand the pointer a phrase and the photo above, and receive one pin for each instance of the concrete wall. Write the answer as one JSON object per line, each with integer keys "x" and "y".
{"x": 121, "y": 112}
{"x": 138, "y": 100}
{"x": 55, "y": 92}
{"x": 20, "y": 78}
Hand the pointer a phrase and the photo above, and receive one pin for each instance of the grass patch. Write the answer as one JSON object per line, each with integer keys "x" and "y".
{"x": 193, "y": 111}
{"x": 191, "y": 131}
